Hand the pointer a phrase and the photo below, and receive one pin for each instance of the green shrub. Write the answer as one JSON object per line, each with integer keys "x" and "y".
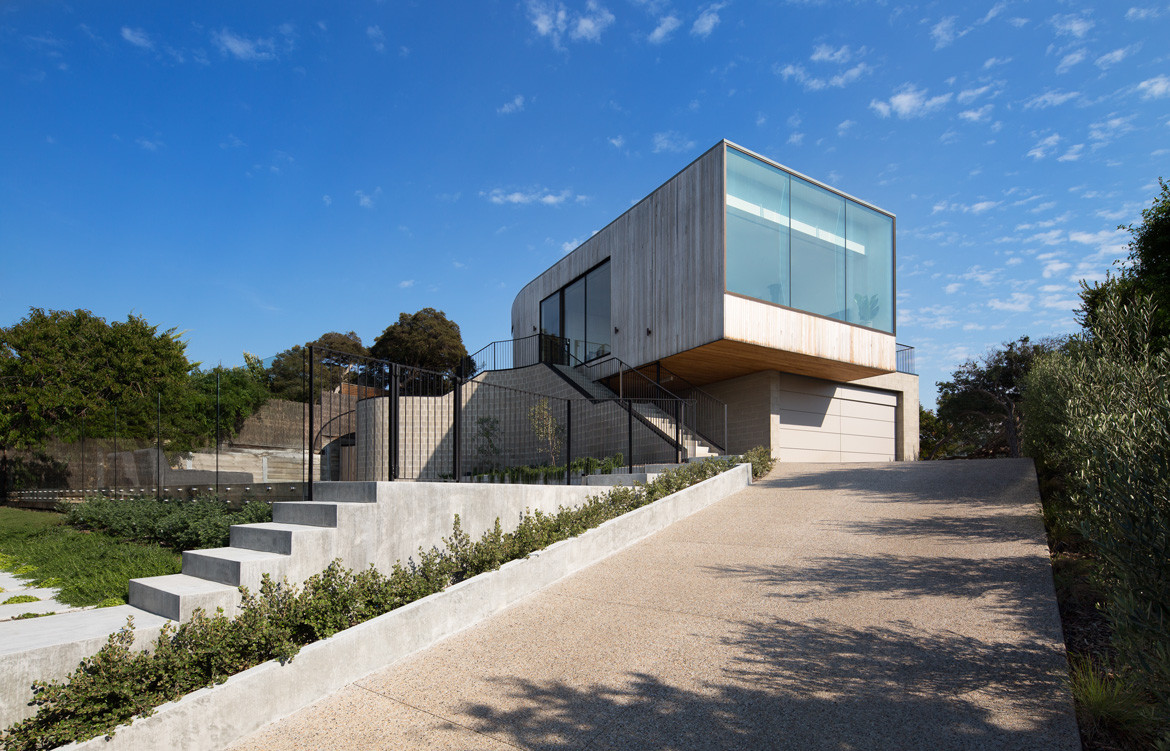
{"x": 176, "y": 524}
{"x": 117, "y": 684}
{"x": 16, "y": 599}
{"x": 1109, "y": 703}
{"x": 1099, "y": 415}
{"x": 761, "y": 460}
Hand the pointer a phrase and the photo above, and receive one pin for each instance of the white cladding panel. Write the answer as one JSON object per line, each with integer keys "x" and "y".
{"x": 821, "y": 421}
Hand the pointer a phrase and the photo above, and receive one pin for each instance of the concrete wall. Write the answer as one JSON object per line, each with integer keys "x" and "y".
{"x": 749, "y": 407}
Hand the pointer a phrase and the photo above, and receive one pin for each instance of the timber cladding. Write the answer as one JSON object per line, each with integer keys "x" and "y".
{"x": 666, "y": 256}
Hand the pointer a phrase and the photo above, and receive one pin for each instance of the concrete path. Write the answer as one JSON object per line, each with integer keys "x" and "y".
{"x": 13, "y": 586}
{"x": 894, "y": 606}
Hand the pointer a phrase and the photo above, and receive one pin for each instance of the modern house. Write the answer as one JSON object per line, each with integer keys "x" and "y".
{"x": 745, "y": 281}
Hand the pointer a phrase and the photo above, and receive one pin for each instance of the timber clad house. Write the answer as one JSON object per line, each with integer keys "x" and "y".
{"x": 751, "y": 285}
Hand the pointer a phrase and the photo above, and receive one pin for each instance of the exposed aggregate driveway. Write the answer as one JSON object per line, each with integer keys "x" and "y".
{"x": 892, "y": 606}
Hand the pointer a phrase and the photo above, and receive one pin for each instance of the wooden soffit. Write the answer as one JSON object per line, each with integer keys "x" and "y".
{"x": 725, "y": 358}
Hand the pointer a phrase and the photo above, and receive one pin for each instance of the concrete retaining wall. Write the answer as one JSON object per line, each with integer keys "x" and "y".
{"x": 214, "y": 717}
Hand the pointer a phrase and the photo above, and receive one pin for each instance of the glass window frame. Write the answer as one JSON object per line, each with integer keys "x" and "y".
{"x": 560, "y": 295}
{"x": 794, "y": 177}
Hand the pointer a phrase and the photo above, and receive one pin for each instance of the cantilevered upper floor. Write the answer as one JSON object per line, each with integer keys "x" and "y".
{"x": 735, "y": 265}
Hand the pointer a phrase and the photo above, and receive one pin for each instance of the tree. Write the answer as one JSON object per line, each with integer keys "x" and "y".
{"x": 936, "y": 438}
{"x": 60, "y": 368}
{"x": 1145, "y": 272}
{"x": 287, "y": 374}
{"x": 982, "y": 400}
{"x": 426, "y": 339}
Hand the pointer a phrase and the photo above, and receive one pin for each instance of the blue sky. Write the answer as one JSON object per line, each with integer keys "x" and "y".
{"x": 256, "y": 174}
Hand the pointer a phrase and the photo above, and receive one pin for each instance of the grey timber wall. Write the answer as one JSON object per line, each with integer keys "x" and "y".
{"x": 666, "y": 270}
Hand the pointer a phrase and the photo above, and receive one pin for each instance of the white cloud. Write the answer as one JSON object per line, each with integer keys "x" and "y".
{"x": 981, "y": 275}
{"x": 991, "y": 62}
{"x": 243, "y": 48}
{"x": 618, "y": 141}
{"x": 592, "y": 23}
{"x": 816, "y": 83}
{"x": 978, "y": 115}
{"x": 795, "y": 139}
{"x": 824, "y": 53}
{"x": 1044, "y": 146}
{"x": 943, "y": 32}
{"x": 953, "y": 288}
{"x": 1073, "y": 153}
{"x": 406, "y": 283}
{"x": 148, "y": 145}
{"x": 1142, "y": 14}
{"x": 1155, "y": 88}
{"x": 1110, "y": 59}
{"x": 367, "y": 200}
{"x": 376, "y": 37}
{"x": 327, "y": 199}
{"x": 1050, "y": 99}
{"x": 1014, "y": 261}
{"x": 1019, "y": 302}
{"x": 137, "y": 37}
{"x": 707, "y": 20}
{"x": 1068, "y": 61}
{"x": 1054, "y": 267}
{"x": 982, "y": 206}
{"x": 672, "y": 141}
{"x": 663, "y": 30}
{"x": 523, "y": 197}
{"x": 552, "y": 20}
{"x": 909, "y": 101}
{"x": 232, "y": 142}
{"x": 1110, "y": 129}
{"x": 844, "y": 126}
{"x": 966, "y": 96}
{"x": 516, "y": 104}
{"x": 973, "y": 327}
{"x": 570, "y": 245}
{"x": 1070, "y": 25}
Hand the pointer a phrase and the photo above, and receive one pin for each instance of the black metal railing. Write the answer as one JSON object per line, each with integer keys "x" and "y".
{"x": 375, "y": 420}
{"x": 905, "y": 359}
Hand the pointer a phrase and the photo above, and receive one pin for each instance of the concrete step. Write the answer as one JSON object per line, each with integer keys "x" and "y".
{"x": 177, "y": 596}
{"x": 236, "y": 567}
{"x": 284, "y": 538}
{"x": 307, "y": 513}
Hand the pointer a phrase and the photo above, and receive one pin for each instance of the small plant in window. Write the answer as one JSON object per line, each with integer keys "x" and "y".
{"x": 868, "y": 307}
{"x": 547, "y": 430}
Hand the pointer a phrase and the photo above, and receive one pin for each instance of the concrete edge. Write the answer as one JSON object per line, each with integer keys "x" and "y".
{"x": 212, "y": 718}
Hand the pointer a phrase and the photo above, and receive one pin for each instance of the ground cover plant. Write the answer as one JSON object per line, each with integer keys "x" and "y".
{"x": 90, "y": 568}
{"x": 118, "y": 684}
{"x": 203, "y": 522}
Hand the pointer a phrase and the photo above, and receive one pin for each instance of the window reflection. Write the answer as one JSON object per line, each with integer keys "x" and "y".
{"x": 578, "y": 315}
{"x": 796, "y": 244}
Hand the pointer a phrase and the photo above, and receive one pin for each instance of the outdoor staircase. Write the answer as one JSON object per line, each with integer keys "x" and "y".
{"x": 302, "y": 540}
{"x": 694, "y": 446}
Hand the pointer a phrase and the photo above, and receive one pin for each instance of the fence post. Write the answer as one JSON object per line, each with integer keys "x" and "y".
{"x": 630, "y": 436}
{"x": 677, "y": 433}
{"x": 312, "y": 424}
{"x": 457, "y": 430}
{"x": 725, "y": 427}
{"x": 568, "y": 441}
{"x": 158, "y": 452}
{"x": 115, "y": 450}
{"x": 217, "y": 434}
{"x": 394, "y": 420}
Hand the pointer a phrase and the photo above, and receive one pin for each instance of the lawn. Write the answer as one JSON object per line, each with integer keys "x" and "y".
{"x": 90, "y": 568}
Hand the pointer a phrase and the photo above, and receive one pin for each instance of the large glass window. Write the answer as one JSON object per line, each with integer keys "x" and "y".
{"x": 757, "y": 229}
{"x": 818, "y": 250}
{"x": 869, "y": 267}
{"x": 793, "y": 243}
{"x": 578, "y": 313}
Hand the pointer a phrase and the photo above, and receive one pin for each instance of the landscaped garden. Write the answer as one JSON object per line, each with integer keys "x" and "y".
{"x": 117, "y": 684}
{"x": 94, "y": 548}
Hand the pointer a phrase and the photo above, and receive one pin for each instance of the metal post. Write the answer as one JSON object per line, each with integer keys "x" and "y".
{"x": 311, "y": 424}
{"x": 158, "y": 451}
{"x": 621, "y": 383}
{"x": 115, "y": 450}
{"x": 630, "y": 436}
{"x": 305, "y": 412}
{"x": 568, "y": 441}
{"x": 217, "y": 434}
{"x": 457, "y": 430}
{"x": 677, "y": 433}
{"x": 394, "y": 419}
{"x": 724, "y": 427}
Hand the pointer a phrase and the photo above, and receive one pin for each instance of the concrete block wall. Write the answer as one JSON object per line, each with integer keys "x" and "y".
{"x": 749, "y": 406}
